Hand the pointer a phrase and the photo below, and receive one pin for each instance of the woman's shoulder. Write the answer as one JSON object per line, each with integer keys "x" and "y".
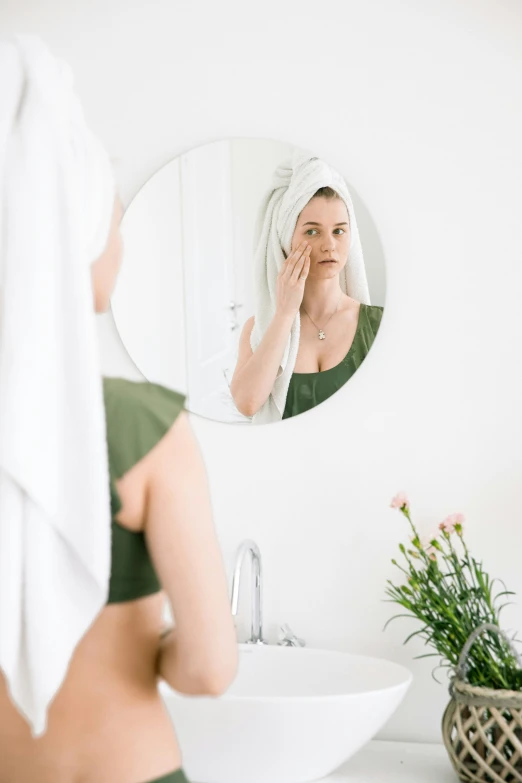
{"x": 126, "y": 393}
{"x": 369, "y": 321}
{"x": 138, "y": 414}
{"x": 373, "y": 313}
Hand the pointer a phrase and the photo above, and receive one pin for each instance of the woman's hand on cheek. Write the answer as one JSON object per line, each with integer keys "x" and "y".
{"x": 291, "y": 281}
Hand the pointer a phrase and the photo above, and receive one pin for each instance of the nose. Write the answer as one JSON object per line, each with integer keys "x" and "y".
{"x": 328, "y": 244}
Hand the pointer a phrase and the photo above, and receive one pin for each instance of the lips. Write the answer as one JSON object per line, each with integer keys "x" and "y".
{"x": 328, "y": 261}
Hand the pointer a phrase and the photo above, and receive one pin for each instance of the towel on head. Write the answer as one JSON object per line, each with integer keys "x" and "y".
{"x": 56, "y": 202}
{"x": 294, "y": 183}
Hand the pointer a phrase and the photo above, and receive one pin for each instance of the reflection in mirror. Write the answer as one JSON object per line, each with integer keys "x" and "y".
{"x": 245, "y": 284}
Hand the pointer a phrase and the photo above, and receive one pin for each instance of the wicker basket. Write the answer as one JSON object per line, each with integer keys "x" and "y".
{"x": 482, "y": 727}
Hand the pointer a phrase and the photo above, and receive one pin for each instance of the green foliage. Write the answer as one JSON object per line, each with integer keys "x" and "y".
{"x": 451, "y": 595}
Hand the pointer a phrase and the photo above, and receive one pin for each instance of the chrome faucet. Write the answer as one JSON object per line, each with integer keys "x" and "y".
{"x": 287, "y": 638}
{"x": 257, "y": 611}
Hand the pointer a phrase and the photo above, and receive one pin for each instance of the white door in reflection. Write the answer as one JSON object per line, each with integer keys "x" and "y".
{"x": 211, "y": 299}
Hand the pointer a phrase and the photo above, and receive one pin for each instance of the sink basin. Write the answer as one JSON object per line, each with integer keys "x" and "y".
{"x": 292, "y": 715}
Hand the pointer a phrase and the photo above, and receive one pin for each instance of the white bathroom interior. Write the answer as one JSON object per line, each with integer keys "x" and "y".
{"x": 418, "y": 105}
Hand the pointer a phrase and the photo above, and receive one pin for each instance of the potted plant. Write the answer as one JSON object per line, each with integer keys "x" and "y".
{"x": 448, "y": 592}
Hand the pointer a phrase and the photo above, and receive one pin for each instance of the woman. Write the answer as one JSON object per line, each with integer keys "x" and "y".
{"x": 313, "y": 335}
{"x": 106, "y": 723}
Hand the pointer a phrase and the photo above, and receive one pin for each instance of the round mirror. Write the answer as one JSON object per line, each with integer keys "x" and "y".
{"x": 252, "y": 281}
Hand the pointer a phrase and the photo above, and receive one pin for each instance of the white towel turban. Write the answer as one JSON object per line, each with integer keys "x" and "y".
{"x": 57, "y": 196}
{"x": 294, "y": 183}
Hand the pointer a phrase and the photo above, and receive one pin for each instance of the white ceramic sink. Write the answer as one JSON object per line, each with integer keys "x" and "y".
{"x": 292, "y": 715}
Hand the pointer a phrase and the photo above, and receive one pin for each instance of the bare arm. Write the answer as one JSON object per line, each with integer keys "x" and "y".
{"x": 256, "y": 371}
{"x": 200, "y": 655}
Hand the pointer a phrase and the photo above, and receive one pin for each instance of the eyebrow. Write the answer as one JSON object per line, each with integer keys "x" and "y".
{"x": 313, "y": 223}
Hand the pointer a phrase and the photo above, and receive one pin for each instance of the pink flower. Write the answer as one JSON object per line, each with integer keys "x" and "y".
{"x": 452, "y": 523}
{"x": 400, "y": 501}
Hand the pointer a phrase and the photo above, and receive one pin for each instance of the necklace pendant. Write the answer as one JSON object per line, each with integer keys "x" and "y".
{"x": 322, "y": 335}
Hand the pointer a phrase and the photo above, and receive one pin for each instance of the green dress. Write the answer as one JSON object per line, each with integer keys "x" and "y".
{"x": 308, "y": 389}
{"x": 138, "y": 415}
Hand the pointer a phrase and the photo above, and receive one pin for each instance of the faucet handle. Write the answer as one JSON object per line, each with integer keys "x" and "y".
{"x": 287, "y": 637}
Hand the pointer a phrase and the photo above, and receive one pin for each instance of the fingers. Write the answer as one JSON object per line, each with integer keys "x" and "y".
{"x": 302, "y": 265}
{"x": 294, "y": 258}
{"x": 306, "y": 268}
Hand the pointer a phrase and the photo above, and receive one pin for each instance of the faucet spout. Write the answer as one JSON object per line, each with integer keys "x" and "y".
{"x": 246, "y": 547}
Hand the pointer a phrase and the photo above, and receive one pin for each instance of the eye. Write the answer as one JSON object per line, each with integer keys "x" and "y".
{"x": 341, "y": 229}
{"x": 311, "y": 229}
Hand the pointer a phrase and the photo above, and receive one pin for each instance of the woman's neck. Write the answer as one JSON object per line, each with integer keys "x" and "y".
{"x": 321, "y": 297}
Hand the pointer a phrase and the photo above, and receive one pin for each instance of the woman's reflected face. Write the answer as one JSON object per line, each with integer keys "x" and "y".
{"x": 324, "y": 223}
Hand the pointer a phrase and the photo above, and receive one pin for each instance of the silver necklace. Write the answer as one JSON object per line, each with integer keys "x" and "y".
{"x": 322, "y": 335}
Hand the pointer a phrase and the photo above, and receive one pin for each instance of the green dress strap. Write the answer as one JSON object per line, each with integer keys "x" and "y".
{"x": 138, "y": 415}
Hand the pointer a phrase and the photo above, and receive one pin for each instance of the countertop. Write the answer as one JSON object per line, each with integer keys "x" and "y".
{"x": 396, "y": 762}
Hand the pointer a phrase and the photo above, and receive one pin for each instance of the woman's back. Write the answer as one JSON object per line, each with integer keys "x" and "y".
{"x": 107, "y": 722}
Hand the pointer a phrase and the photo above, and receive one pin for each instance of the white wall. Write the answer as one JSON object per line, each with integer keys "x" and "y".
{"x": 419, "y": 105}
